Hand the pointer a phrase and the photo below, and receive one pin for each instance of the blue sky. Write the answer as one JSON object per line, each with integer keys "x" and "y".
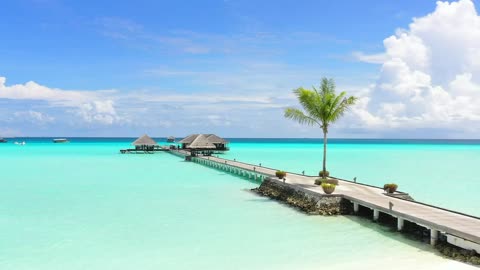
{"x": 117, "y": 68}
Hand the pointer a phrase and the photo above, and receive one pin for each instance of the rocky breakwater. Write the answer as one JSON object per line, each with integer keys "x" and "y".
{"x": 307, "y": 201}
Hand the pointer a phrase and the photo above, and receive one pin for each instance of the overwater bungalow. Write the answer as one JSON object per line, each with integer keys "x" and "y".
{"x": 171, "y": 139}
{"x": 61, "y": 140}
{"x": 220, "y": 143}
{"x": 2, "y": 140}
{"x": 204, "y": 143}
{"x": 145, "y": 143}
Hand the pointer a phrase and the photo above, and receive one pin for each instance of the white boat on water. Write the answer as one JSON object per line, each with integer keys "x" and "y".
{"x": 20, "y": 143}
{"x": 61, "y": 140}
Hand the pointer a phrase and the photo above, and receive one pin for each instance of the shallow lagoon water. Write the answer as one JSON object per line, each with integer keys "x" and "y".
{"x": 84, "y": 206}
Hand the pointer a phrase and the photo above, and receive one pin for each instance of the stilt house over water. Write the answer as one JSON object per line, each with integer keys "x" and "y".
{"x": 204, "y": 142}
{"x": 145, "y": 143}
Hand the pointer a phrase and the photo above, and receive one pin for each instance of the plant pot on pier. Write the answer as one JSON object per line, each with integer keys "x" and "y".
{"x": 319, "y": 181}
{"x": 324, "y": 174}
{"x": 330, "y": 181}
{"x": 328, "y": 188}
{"x": 280, "y": 174}
{"x": 390, "y": 188}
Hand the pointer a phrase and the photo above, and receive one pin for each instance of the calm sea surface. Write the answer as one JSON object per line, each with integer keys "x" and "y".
{"x": 82, "y": 205}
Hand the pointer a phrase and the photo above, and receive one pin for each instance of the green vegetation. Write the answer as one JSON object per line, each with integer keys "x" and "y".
{"x": 280, "y": 174}
{"x": 321, "y": 108}
{"x": 390, "y": 188}
{"x": 320, "y": 181}
{"x": 324, "y": 174}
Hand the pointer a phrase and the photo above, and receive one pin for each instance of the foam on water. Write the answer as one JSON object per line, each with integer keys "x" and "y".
{"x": 84, "y": 206}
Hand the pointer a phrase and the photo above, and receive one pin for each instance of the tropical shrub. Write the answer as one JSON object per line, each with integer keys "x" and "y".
{"x": 318, "y": 181}
{"x": 280, "y": 174}
{"x": 324, "y": 174}
{"x": 390, "y": 188}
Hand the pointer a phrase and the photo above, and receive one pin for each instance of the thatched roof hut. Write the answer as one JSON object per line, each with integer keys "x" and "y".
{"x": 215, "y": 139}
{"x": 204, "y": 142}
{"x": 189, "y": 139}
{"x": 201, "y": 142}
{"x": 145, "y": 140}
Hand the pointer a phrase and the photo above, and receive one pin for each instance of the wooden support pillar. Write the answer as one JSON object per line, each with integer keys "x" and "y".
{"x": 376, "y": 214}
{"x": 433, "y": 237}
{"x": 355, "y": 207}
{"x": 400, "y": 223}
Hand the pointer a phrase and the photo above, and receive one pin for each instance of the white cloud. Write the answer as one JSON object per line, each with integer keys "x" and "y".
{"x": 92, "y": 106}
{"x": 97, "y": 111}
{"x": 430, "y": 76}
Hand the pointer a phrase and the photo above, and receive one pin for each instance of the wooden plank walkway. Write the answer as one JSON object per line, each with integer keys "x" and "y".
{"x": 436, "y": 219}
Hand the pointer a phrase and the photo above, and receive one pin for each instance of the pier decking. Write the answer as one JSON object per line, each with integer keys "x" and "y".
{"x": 144, "y": 151}
{"x": 460, "y": 229}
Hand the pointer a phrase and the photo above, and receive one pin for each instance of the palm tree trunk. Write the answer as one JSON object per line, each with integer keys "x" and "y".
{"x": 324, "y": 153}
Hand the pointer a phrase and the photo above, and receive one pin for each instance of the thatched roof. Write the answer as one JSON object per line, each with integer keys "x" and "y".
{"x": 189, "y": 139}
{"x": 144, "y": 140}
{"x": 201, "y": 142}
{"x": 211, "y": 138}
{"x": 215, "y": 139}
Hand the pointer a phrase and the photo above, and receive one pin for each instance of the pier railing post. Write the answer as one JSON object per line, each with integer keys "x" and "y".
{"x": 433, "y": 236}
{"x": 376, "y": 214}
{"x": 400, "y": 223}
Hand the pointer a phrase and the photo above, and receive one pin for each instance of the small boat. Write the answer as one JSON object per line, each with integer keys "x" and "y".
{"x": 20, "y": 143}
{"x": 171, "y": 139}
{"x": 61, "y": 140}
{"x": 2, "y": 140}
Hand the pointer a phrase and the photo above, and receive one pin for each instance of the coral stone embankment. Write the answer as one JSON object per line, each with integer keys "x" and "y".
{"x": 309, "y": 202}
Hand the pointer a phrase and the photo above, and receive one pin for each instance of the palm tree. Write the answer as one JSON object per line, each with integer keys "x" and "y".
{"x": 320, "y": 108}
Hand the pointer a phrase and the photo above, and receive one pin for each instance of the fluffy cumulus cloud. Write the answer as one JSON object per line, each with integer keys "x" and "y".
{"x": 430, "y": 73}
{"x": 91, "y": 106}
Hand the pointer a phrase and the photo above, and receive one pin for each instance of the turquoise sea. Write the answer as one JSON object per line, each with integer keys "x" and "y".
{"x": 82, "y": 205}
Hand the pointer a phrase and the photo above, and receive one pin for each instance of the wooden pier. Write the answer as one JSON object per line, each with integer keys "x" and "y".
{"x": 460, "y": 229}
{"x": 144, "y": 151}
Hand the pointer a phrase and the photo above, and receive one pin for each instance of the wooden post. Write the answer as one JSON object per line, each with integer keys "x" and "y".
{"x": 433, "y": 236}
{"x": 400, "y": 223}
{"x": 376, "y": 214}
{"x": 355, "y": 207}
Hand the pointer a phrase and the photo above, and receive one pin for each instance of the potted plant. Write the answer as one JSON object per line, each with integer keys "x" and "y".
{"x": 390, "y": 188}
{"x": 324, "y": 178}
{"x": 328, "y": 188}
{"x": 281, "y": 175}
{"x": 324, "y": 174}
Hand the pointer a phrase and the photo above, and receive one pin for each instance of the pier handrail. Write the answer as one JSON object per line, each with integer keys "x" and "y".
{"x": 235, "y": 166}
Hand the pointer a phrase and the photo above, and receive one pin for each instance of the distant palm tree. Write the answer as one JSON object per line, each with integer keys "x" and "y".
{"x": 320, "y": 107}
